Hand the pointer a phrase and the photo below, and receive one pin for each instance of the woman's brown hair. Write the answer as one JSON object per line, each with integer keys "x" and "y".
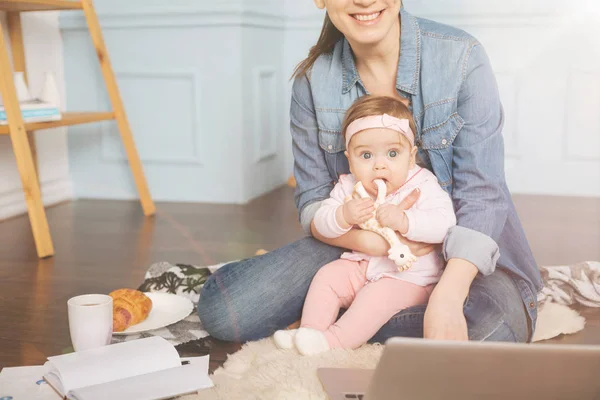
{"x": 327, "y": 40}
{"x": 369, "y": 105}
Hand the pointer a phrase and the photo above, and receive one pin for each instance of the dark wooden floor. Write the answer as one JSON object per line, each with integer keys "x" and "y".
{"x": 103, "y": 245}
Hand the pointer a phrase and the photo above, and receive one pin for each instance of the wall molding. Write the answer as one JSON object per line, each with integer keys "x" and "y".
{"x": 495, "y": 20}
{"x": 264, "y": 83}
{"x": 572, "y": 120}
{"x": 177, "y": 18}
{"x": 171, "y": 17}
{"x": 12, "y": 202}
{"x": 108, "y": 128}
{"x": 510, "y": 104}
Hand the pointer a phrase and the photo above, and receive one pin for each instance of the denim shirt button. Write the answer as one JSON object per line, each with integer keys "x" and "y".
{"x": 330, "y": 147}
{"x": 532, "y": 304}
{"x": 444, "y": 141}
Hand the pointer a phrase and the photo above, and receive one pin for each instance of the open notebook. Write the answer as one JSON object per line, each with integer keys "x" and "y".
{"x": 143, "y": 369}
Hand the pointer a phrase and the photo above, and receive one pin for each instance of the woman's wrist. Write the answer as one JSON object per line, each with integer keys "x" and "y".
{"x": 456, "y": 281}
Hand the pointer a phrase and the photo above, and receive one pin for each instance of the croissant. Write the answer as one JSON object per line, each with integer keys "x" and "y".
{"x": 130, "y": 307}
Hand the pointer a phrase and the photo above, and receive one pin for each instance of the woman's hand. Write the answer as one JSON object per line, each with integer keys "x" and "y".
{"x": 444, "y": 317}
{"x": 418, "y": 249}
{"x": 393, "y": 217}
{"x": 373, "y": 244}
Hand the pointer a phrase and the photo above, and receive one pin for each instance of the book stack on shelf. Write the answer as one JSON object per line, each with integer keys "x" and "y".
{"x": 46, "y": 107}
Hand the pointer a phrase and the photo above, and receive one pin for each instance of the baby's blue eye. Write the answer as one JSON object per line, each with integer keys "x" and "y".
{"x": 392, "y": 153}
{"x": 366, "y": 155}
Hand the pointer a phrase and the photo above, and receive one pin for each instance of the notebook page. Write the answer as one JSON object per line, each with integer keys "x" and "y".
{"x": 52, "y": 377}
{"x": 163, "y": 384}
{"x": 113, "y": 362}
{"x": 24, "y": 383}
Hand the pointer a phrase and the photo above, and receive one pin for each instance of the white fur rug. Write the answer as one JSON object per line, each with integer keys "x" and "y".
{"x": 556, "y": 319}
{"x": 261, "y": 371}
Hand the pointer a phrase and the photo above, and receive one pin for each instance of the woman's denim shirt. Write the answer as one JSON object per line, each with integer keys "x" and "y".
{"x": 447, "y": 77}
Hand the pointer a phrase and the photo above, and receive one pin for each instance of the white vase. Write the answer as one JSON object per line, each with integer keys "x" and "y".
{"x": 50, "y": 93}
{"x": 21, "y": 87}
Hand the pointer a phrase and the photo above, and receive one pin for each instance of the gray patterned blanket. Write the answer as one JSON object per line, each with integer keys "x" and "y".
{"x": 566, "y": 285}
{"x": 571, "y": 284}
{"x": 183, "y": 280}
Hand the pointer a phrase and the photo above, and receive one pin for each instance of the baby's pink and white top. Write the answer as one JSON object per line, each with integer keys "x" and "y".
{"x": 428, "y": 221}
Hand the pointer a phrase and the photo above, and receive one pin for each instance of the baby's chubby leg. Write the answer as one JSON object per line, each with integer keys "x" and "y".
{"x": 334, "y": 286}
{"x": 373, "y": 306}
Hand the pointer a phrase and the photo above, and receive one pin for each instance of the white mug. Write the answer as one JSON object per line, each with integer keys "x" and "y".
{"x": 90, "y": 321}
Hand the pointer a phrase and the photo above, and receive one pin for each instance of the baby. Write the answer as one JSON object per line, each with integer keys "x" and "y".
{"x": 380, "y": 144}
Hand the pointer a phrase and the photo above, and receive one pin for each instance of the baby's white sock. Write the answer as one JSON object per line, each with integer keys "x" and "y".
{"x": 285, "y": 339}
{"x": 310, "y": 341}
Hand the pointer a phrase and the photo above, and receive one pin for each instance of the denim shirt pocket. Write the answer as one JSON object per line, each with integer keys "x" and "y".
{"x": 436, "y": 139}
{"x": 332, "y": 142}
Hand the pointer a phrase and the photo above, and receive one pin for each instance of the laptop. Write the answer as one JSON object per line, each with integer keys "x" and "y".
{"x": 418, "y": 369}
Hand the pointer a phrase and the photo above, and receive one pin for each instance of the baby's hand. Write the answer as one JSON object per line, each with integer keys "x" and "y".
{"x": 357, "y": 211}
{"x": 393, "y": 217}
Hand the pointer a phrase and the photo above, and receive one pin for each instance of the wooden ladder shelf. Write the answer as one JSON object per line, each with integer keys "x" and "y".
{"x": 21, "y": 134}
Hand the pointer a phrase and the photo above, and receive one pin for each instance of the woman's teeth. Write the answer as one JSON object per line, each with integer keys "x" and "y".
{"x": 369, "y": 17}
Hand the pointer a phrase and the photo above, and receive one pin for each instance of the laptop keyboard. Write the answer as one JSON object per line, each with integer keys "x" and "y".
{"x": 357, "y": 396}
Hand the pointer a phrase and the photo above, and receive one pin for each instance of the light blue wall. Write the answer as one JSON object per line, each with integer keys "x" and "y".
{"x": 205, "y": 86}
{"x": 206, "y": 89}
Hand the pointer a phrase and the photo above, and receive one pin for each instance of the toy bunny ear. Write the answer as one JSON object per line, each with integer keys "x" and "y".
{"x": 360, "y": 190}
{"x": 381, "y": 191}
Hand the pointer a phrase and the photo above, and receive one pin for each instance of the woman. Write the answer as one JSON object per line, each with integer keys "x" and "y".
{"x": 488, "y": 288}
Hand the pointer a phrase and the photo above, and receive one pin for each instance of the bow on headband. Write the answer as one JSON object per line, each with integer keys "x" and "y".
{"x": 380, "y": 121}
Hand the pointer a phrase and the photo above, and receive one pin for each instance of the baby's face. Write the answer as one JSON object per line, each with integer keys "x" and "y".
{"x": 380, "y": 153}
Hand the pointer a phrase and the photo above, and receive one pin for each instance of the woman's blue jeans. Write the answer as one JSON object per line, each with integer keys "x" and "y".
{"x": 252, "y": 298}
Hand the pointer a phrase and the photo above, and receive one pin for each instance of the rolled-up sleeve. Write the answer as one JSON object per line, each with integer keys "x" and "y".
{"x": 313, "y": 182}
{"x": 479, "y": 192}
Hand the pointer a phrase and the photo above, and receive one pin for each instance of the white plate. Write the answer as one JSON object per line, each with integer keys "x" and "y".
{"x": 167, "y": 309}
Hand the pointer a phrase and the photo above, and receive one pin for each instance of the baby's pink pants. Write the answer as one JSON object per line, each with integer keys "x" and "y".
{"x": 341, "y": 284}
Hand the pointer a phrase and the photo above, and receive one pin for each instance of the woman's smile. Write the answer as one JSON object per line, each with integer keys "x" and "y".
{"x": 367, "y": 19}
